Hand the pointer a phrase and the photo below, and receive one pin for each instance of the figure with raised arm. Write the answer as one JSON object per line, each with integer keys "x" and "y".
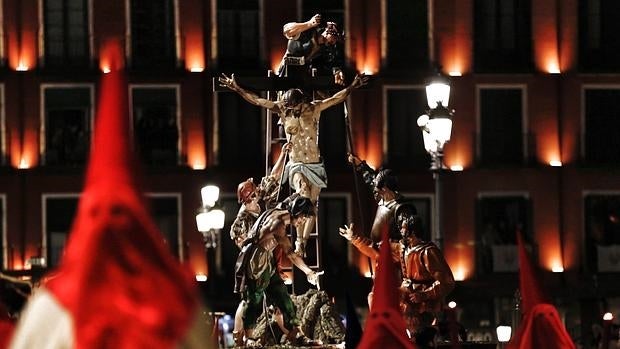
{"x": 426, "y": 276}
{"x": 254, "y": 199}
{"x": 256, "y": 274}
{"x": 312, "y": 45}
{"x": 304, "y": 171}
{"x": 384, "y": 186}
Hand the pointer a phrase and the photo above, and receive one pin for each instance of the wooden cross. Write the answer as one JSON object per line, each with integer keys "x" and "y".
{"x": 276, "y": 83}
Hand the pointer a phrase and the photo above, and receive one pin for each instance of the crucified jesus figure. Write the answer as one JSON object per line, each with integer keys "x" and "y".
{"x": 304, "y": 170}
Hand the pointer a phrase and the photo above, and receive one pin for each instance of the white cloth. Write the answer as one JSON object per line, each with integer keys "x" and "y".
{"x": 44, "y": 324}
{"x": 314, "y": 172}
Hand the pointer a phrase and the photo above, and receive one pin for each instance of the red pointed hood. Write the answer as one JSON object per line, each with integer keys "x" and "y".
{"x": 117, "y": 277}
{"x": 541, "y": 326}
{"x": 529, "y": 279}
{"x": 112, "y": 160}
{"x": 385, "y": 326}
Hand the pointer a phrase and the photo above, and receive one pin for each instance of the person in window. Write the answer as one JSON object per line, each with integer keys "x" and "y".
{"x": 426, "y": 276}
{"x": 305, "y": 170}
{"x": 312, "y": 46}
{"x": 256, "y": 274}
{"x": 384, "y": 185}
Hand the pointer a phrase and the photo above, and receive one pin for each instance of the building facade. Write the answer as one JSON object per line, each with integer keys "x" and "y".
{"x": 535, "y": 146}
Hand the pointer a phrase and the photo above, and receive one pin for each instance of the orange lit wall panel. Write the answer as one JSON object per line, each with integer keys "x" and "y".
{"x": 196, "y": 155}
{"x": 10, "y": 16}
{"x": 546, "y": 223}
{"x": 459, "y": 228}
{"x": 197, "y": 259}
{"x": 542, "y": 117}
{"x": 31, "y": 123}
{"x": 191, "y": 22}
{"x": 366, "y": 124}
{"x": 21, "y": 32}
{"x": 456, "y": 52}
{"x": 193, "y": 128}
{"x": 544, "y": 29}
{"x": 571, "y": 119}
{"x": 366, "y": 37}
{"x": 460, "y": 151}
{"x": 109, "y": 25}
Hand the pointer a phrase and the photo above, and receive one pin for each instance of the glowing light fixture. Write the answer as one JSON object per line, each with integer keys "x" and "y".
{"x": 23, "y": 164}
{"x": 555, "y": 163}
{"x": 210, "y": 218}
{"x": 503, "y": 333}
{"x": 21, "y": 67}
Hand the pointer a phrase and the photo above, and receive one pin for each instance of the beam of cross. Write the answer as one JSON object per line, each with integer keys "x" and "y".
{"x": 276, "y": 83}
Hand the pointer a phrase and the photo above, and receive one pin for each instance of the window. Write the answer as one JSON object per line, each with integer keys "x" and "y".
{"x": 67, "y": 121}
{"x": 153, "y": 42}
{"x": 240, "y": 133}
{"x": 407, "y": 45}
{"x": 156, "y": 124}
{"x": 601, "y": 120}
{"x": 405, "y": 146}
{"x": 58, "y": 213}
{"x": 66, "y": 33}
{"x": 599, "y": 47}
{"x": 602, "y": 231}
{"x": 499, "y": 217}
{"x": 238, "y": 36}
{"x": 500, "y": 126}
{"x": 166, "y": 212}
{"x": 502, "y": 36}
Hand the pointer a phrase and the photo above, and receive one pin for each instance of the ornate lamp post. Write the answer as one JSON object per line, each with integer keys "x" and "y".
{"x": 436, "y": 126}
{"x": 210, "y": 218}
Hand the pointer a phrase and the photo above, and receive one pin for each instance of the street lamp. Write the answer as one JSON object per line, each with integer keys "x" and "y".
{"x": 436, "y": 126}
{"x": 210, "y": 218}
{"x": 503, "y": 334}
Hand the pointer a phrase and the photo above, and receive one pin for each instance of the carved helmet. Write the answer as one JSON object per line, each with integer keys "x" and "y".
{"x": 293, "y": 97}
{"x": 301, "y": 206}
{"x": 245, "y": 191}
